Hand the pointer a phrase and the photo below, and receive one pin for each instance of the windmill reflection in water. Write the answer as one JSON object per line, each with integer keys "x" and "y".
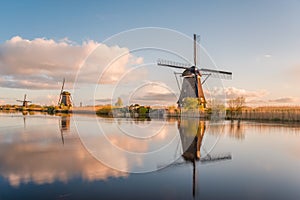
{"x": 64, "y": 125}
{"x": 192, "y": 132}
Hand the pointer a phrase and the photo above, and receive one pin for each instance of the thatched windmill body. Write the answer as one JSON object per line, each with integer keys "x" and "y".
{"x": 191, "y": 84}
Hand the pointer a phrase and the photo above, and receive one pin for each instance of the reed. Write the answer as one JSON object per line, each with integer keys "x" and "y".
{"x": 268, "y": 113}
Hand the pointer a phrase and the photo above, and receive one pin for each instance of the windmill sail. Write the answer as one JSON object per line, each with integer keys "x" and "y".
{"x": 61, "y": 91}
{"x": 216, "y": 73}
{"x": 168, "y": 63}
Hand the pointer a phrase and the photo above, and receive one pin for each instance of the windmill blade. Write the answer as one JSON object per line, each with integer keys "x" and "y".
{"x": 62, "y": 136}
{"x": 205, "y": 160}
{"x": 167, "y": 63}
{"x": 25, "y": 97}
{"x": 174, "y": 164}
{"x": 195, "y": 50}
{"x": 178, "y": 85}
{"x": 217, "y": 73}
{"x": 62, "y": 88}
{"x": 19, "y": 100}
{"x": 215, "y": 158}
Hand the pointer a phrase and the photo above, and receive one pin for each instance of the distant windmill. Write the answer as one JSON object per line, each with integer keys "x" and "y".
{"x": 24, "y": 102}
{"x": 192, "y": 85}
{"x": 64, "y": 96}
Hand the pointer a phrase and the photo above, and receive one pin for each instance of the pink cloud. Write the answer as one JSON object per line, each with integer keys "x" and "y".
{"x": 41, "y": 63}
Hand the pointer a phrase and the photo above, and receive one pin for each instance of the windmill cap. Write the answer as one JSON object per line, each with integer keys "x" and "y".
{"x": 190, "y": 71}
{"x": 66, "y": 93}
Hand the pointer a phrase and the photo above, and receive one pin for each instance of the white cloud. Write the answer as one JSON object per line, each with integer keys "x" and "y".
{"x": 284, "y": 100}
{"x": 257, "y": 97}
{"x": 41, "y": 63}
{"x": 104, "y": 100}
{"x": 232, "y": 92}
{"x": 153, "y": 93}
{"x": 267, "y": 56}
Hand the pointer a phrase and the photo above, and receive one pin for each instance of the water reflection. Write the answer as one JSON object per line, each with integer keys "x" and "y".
{"x": 136, "y": 147}
{"x": 34, "y": 155}
{"x": 187, "y": 129}
{"x": 64, "y": 125}
{"x": 192, "y": 132}
{"x": 236, "y": 130}
{"x": 48, "y": 162}
{"x": 24, "y": 113}
{"x": 265, "y": 164}
{"x": 39, "y": 158}
{"x": 65, "y": 122}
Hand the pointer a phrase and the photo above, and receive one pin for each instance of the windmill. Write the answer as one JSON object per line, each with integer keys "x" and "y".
{"x": 192, "y": 85}
{"x": 24, "y": 102}
{"x": 64, "y": 96}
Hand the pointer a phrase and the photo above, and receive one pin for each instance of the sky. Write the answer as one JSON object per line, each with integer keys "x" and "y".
{"x": 43, "y": 41}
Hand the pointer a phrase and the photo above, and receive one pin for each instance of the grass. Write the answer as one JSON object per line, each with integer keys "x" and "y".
{"x": 268, "y": 113}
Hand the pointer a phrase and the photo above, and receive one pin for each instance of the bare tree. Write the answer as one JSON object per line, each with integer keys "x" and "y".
{"x": 235, "y": 106}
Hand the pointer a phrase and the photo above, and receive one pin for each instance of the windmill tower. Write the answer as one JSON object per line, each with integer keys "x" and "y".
{"x": 24, "y": 102}
{"x": 191, "y": 84}
{"x": 64, "y": 96}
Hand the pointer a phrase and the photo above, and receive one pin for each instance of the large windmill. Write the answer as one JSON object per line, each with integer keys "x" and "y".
{"x": 64, "y": 96}
{"x": 24, "y": 101}
{"x": 192, "y": 85}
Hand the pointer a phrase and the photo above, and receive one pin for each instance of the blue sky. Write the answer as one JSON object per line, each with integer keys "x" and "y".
{"x": 257, "y": 40}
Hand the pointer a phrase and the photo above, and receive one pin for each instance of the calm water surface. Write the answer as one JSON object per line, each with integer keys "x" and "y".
{"x": 84, "y": 157}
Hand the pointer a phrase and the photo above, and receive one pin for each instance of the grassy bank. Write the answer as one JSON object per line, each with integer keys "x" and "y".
{"x": 37, "y": 108}
{"x": 267, "y": 113}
